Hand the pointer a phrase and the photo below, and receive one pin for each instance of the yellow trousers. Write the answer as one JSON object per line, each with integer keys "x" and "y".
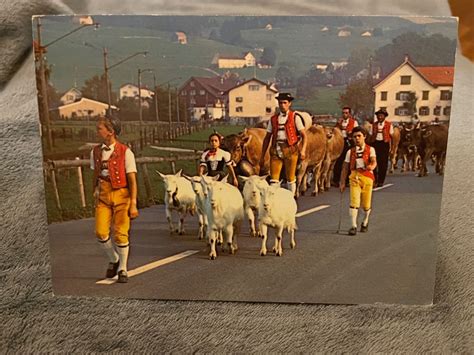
{"x": 289, "y": 160}
{"x": 360, "y": 190}
{"x": 112, "y": 207}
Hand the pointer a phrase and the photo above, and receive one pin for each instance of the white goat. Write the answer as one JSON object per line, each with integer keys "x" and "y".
{"x": 225, "y": 212}
{"x": 253, "y": 185}
{"x": 179, "y": 195}
{"x": 277, "y": 210}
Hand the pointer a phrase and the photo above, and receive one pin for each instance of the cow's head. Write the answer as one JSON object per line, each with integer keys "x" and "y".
{"x": 236, "y": 144}
{"x": 329, "y": 132}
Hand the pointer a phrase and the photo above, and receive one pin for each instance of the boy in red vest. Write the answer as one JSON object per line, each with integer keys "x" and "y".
{"x": 283, "y": 130}
{"x": 381, "y": 137}
{"x": 115, "y": 192}
{"x": 360, "y": 161}
{"x": 346, "y": 124}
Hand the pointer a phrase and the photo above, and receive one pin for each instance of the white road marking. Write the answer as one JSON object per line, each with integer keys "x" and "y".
{"x": 383, "y": 187}
{"x": 150, "y": 266}
{"x": 311, "y": 210}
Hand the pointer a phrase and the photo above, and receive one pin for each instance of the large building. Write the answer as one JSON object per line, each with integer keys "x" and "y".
{"x": 253, "y": 100}
{"x": 205, "y": 96}
{"x": 131, "y": 90}
{"x": 245, "y": 60}
{"x": 70, "y": 96}
{"x": 432, "y": 86}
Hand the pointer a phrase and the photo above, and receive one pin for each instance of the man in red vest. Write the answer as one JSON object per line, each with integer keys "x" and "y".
{"x": 346, "y": 124}
{"x": 115, "y": 192}
{"x": 361, "y": 161}
{"x": 381, "y": 137}
{"x": 283, "y": 130}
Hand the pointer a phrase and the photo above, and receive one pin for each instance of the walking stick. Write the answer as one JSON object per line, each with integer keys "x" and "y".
{"x": 340, "y": 212}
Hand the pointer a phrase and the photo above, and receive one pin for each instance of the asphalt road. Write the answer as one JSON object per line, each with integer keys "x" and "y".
{"x": 393, "y": 263}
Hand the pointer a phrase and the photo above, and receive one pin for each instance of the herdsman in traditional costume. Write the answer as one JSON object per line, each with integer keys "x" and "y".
{"x": 346, "y": 124}
{"x": 283, "y": 131}
{"x": 381, "y": 137}
{"x": 360, "y": 161}
{"x": 115, "y": 192}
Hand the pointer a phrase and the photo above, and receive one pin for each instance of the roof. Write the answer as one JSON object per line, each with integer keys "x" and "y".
{"x": 433, "y": 75}
{"x": 136, "y": 86}
{"x": 213, "y": 85}
{"x": 231, "y": 57}
{"x": 76, "y": 90}
{"x": 253, "y": 79}
{"x": 85, "y": 100}
{"x": 438, "y": 75}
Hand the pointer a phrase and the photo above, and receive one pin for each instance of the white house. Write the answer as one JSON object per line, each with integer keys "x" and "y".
{"x": 72, "y": 95}
{"x": 83, "y": 109}
{"x": 344, "y": 33}
{"x": 83, "y": 20}
{"x": 340, "y": 64}
{"x": 131, "y": 90}
{"x": 321, "y": 66}
{"x": 432, "y": 85}
{"x": 324, "y": 29}
{"x": 252, "y": 99}
{"x": 246, "y": 60}
{"x": 366, "y": 34}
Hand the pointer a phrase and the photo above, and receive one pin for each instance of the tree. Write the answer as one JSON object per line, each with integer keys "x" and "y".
{"x": 213, "y": 36}
{"x": 285, "y": 77}
{"x": 230, "y": 32}
{"x": 96, "y": 88}
{"x": 422, "y": 50}
{"x": 410, "y": 103}
{"x": 359, "y": 96}
{"x": 268, "y": 56}
{"x": 358, "y": 60}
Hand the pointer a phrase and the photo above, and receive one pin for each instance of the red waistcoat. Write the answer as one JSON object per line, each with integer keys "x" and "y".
{"x": 385, "y": 132}
{"x": 350, "y": 125}
{"x": 115, "y": 164}
{"x": 366, "y": 157}
{"x": 290, "y": 128}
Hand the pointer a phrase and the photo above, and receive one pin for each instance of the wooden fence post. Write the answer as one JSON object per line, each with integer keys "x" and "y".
{"x": 146, "y": 180}
{"x": 81, "y": 185}
{"x": 173, "y": 166}
{"x": 55, "y": 188}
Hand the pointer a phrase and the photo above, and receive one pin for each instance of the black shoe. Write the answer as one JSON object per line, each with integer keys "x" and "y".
{"x": 379, "y": 184}
{"x": 353, "y": 231}
{"x": 122, "y": 277}
{"x": 112, "y": 270}
{"x": 363, "y": 228}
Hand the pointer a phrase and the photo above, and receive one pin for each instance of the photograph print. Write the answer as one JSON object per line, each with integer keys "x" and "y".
{"x": 294, "y": 159}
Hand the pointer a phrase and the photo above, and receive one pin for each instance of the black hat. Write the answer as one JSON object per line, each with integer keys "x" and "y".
{"x": 284, "y": 96}
{"x": 383, "y": 112}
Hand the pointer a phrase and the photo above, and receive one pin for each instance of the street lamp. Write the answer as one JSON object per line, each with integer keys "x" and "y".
{"x": 40, "y": 49}
{"x": 108, "y": 67}
{"x": 140, "y": 71}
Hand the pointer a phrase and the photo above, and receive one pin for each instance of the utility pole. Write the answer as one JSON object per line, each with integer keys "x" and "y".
{"x": 140, "y": 111}
{"x": 156, "y": 99}
{"x": 169, "y": 107}
{"x": 43, "y": 88}
{"x": 107, "y": 82}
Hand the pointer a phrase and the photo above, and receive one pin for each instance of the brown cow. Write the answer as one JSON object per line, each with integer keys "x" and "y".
{"x": 315, "y": 153}
{"x": 407, "y": 151}
{"x": 245, "y": 149}
{"x": 394, "y": 149}
{"x": 431, "y": 140}
{"x": 335, "y": 146}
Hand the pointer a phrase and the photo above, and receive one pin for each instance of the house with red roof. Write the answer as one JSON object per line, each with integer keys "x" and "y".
{"x": 432, "y": 85}
{"x": 206, "y": 96}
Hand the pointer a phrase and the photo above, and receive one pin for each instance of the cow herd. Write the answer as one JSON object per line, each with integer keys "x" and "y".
{"x": 221, "y": 207}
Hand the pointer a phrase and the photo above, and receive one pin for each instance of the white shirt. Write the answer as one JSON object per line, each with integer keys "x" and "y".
{"x": 360, "y": 164}
{"x": 344, "y": 124}
{"x": 216, "y": 158}
{"x": 130, "y": 166}
{"x": 282, "y": 118}
{"x": 379, "y": 136}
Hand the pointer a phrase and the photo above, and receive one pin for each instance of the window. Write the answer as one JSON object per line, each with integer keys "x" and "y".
{"x": 192, "y": 102}
{"x": 383, "y": 96}
{"x": 192, "y": 92}
{"x": 239, "y": 99}
{"x": 125, "y": 92}
{"x": 401, "y": 111}
{"x": 191, "y": 84}
{"x": 183, "y": 93}
{"x": 405, "y": 80}
{"x": 446, "y": 95}
{"x": 403, "y": 96}
{"x": 269, "y": 97}
{"x": 239, "y": 109}
{"x": 135, "y": 92}
{"x": 268, "y": 110}
{"x": 424, "y": 111}
{"x": 254, "y": 87}
{"x": 426, "y": 95}
{"x": 202, "y": 92}
{"x": 447, "y": 110}
{"x": 437, "y": 111}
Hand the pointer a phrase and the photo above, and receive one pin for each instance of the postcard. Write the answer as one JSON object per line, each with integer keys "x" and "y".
{"x": 294, "y": 159}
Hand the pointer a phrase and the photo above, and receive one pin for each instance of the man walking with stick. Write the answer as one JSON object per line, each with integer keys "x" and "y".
{"x": 360, "y": 161}
{"x": 346, "y": 124}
